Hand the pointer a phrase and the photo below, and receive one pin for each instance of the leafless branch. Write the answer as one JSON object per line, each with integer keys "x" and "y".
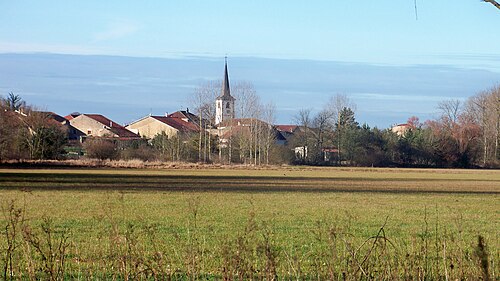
{"x": 493, "y": 2}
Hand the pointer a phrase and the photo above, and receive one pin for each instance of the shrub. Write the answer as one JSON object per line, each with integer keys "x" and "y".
{"x": 100, "y": 148}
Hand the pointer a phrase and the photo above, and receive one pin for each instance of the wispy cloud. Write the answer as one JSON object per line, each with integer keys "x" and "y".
{"x": 15, "y": 47}
{"x": 116, "y": 30}
{"x": 400, "y": 97}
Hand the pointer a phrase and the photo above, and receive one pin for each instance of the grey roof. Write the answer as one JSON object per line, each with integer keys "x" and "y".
{"x": 225, "y": 92}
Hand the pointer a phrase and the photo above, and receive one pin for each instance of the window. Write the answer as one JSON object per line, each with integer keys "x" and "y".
{"x": 227, "y": 105}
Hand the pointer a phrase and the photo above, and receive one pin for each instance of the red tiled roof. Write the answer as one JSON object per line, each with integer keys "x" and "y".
{"x": 330, "y": 149}
{"x": 245, "y": 131}
{"x": 114, "y": 127}
{"x": 235, "y": 122}
{"x": 72, "y": 115}
{"x": 192, "y": 118}
{"x": 177, "y": 123}
{"x": 177, "y": 114}
{"x": 286, "y": 128}
{"x": 53, "y": 116}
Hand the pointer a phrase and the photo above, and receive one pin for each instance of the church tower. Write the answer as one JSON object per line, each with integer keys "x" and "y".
{"x": 224, "y": 104}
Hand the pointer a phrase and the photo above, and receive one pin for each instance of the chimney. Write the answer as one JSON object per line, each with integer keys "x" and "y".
{"x": 166, "y": 114}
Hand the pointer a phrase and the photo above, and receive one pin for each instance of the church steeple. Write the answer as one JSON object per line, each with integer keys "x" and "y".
{"x": 224, "y": 105}
{"x": 226, "y": 91}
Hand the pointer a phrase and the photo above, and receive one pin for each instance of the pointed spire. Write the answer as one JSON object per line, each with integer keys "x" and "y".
{"x": 226, "y": 92}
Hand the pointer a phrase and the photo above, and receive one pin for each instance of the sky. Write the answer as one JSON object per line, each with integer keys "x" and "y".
{"x": 442, "y": 40}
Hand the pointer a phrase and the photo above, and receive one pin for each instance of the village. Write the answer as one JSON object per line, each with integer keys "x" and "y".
{"x": 249, "y": 140}
{"x": 214, "y": 133}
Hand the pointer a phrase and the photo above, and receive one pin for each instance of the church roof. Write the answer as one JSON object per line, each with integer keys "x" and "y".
{"x": 225, "y": 92}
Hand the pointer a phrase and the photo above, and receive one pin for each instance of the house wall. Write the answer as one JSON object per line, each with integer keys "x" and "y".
{"x": 150, "y": 127}
{"x": 91, "y": 127}
{"x": 400, "y": 130}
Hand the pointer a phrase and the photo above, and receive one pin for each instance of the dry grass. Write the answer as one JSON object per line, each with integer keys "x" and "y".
{"x": 284, "y": 223}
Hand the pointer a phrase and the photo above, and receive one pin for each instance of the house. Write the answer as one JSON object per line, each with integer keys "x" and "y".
{"x": 288, "y": 131}
{"x": 401, "y": 129}
{"x": 172, "y": 124}
{"x": 330, "y": 153}
{"x": 73, "y": 133}
{"x": 244, "y": 127}
{"x": 187, "y": 116}
{"x": 96, "y": 125}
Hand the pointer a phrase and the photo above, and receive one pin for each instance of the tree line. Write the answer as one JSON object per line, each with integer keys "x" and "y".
{"x": 464, "y": 135}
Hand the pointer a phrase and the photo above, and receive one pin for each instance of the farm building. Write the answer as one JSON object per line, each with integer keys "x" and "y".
{"x": 96, "y": 125}
{"x": 180, "y": 121}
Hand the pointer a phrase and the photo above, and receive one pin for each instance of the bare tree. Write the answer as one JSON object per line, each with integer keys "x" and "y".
{"x": 268, "y": 132}
{"x": 322, "y": 124}
{"x": 336, "y": 105}
{"x": 495, "y": 101}
{"x": 249, "y": 109}
{"x": 304, "y": 120}
{"x": 477, "y": 110}
{"x": 203, "y": 100}
{"x": 247, "y": 100}
{"x": 493, "y": 2}
{"x": 484, "y": 109}
{"x": 450, "y": 110}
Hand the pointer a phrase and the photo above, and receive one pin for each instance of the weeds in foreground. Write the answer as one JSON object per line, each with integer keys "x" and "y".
{"x": 37, "y": 249}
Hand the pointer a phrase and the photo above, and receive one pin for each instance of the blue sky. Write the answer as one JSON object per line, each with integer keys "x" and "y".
{"x": 461, "y": 36}
{"x": 370, "y": 31}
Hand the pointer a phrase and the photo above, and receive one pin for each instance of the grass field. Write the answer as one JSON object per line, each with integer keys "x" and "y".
{"x": 282, "y": 223}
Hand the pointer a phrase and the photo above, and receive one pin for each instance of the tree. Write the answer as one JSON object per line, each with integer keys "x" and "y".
{"x": 484, "y": 110}
{"x": 11, "y": 134}
{"x": 493, "y": 2}
{"x": 14, "y": 102}
{"x": 30, "y": 133}
{"x": 347, "y": 128}
{"x": 268, "y": 131}
{"x": 450, "y": 110}
{"x": 455, "y": 135}
{"x": 247, "y": 101}
{"x": 248, "y": 106}
{"x": 372, "y": 148}
{"x": 336, "y": 104}
{"x": 204, "y": 103}
{"x": 44, "y": 138}
{"x": 303, "y": 120}
{"x": 414, "y": 122}
{"x": 322, "y": 124}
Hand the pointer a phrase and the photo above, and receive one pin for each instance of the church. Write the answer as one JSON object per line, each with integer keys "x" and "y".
{"x": 228, "y": 127}
{"x": 225, "y": 124}
{"x": 224, "y": 104}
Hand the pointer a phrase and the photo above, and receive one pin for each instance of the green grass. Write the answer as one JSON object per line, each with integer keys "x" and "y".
{"x": 300, "y": 223}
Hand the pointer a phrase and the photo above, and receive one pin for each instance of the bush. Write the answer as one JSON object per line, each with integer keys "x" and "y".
{"x": 143, "y": 152}
{"x": 101, "y": 149}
